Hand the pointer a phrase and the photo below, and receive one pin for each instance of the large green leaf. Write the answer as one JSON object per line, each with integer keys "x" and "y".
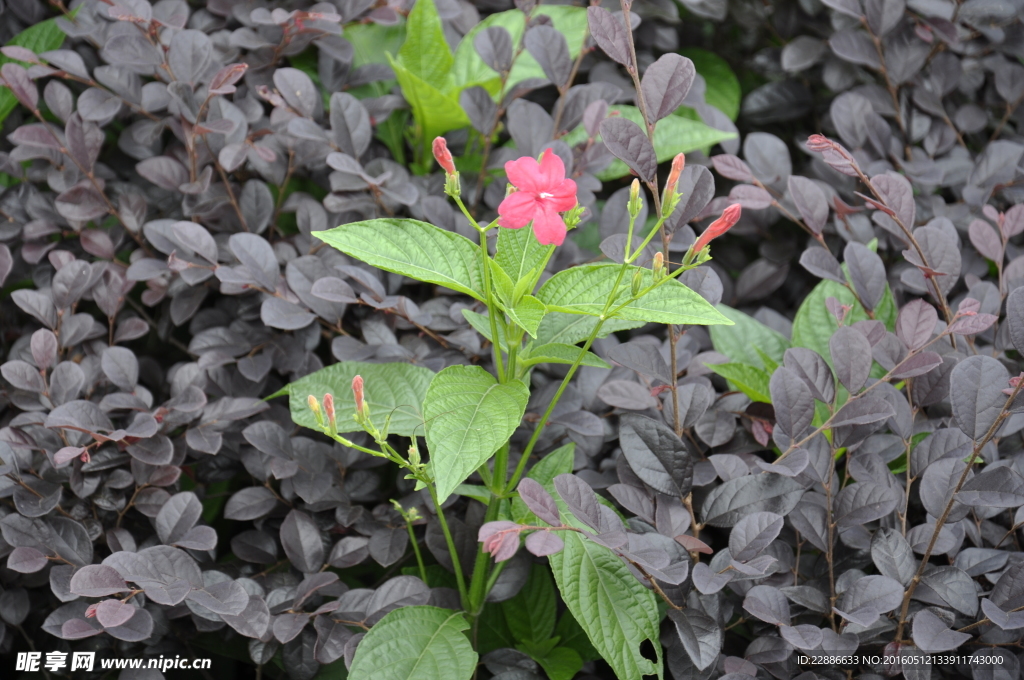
{"x": 469, "y": 415}
{"x": 371, "y": 43}
{"x": 617, "y": 612}
{"x": 416, "y": 643}
{"x": 414, "y": 249}
{"x": 557, "y": 353}
{"x": 741, "y": 341}
{"x": 531, "y": 613}
{"x": 750, "y": 380}
{"x": 560, "y": 663}
{"x": 519, "y": 253}
{"x": 672, "y": 135}
{"x": 585, "y": 289}
{"x": 813, "y": 324}
{"x": 392, "y": 391}
{"x": 436, "y": 112}
{"x": 558, "y": 327}
{"x": 482, "y": 325}
{"x": 527, "y": 314}
{"x": 469, "y": 69}
{"x": 571, "y": 635}
{"x": 425, "y": 53}
{"x": 722, "y": 87}
{"x": 41, "y": 37}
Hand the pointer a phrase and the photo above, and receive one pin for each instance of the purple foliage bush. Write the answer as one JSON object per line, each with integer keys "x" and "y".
{"x": 235, "y": 281}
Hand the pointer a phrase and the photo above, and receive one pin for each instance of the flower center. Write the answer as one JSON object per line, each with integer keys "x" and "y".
{"x": 545, "y": 194}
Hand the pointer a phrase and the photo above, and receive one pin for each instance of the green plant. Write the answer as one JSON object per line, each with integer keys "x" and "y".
{"x": 466, "y": 416}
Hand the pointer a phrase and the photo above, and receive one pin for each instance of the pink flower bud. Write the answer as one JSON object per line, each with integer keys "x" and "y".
{"x": 357, "y": 392}
{"x": 443, "y": 156}
{"x": 678, "y": 163}
{"x": 730, "y": 216}
{"x": 329, "y": 408}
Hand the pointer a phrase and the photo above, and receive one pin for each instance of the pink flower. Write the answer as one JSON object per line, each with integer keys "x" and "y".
{"x": 542, "y": 192}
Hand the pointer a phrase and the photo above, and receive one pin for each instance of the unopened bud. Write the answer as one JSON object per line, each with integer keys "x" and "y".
{"x": 670, "y": 197}
{"x": 635, "y": 202}
{"x": 443, "y": 156}
{"x": 730, "y": 216}
{"x": 414, "y": 453}
{"x": 659, "y": 266}
{"x": 678, "y": 163}
{"x": 573, "y": 217}
{"x": 314, "y": 406}
{"x": 638, "y": 281}
{"x": 362, "y": 410}
{"x": 332, "y": 423}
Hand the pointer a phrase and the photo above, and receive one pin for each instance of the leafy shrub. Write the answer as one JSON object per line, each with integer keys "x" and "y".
{"x": 278, "y": 388}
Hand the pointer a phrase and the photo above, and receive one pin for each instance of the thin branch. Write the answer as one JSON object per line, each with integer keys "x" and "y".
{"x": 993, "y": 428}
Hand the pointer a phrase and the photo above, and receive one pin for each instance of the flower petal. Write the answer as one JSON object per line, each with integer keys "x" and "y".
{"x": 549, "y": 228}
{"x": 563, "y": 196}
{"x": 552, "y": 170}
{"x": 516, "y": 211}
{"x": 524, "y": 174}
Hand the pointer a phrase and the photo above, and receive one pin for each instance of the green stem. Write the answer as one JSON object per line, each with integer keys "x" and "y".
{"x": 528, "y": 451}
{"x": 495, "y": 573}
{"x": 513, "y": 350}
{"x": 416, "y": 549}
{"x": 459, "y": 577}
{"x": 500, "y": 472}
{"x": 654, "y": 230}
{"x": 488, "y": 293}
{"x": 491, "y": 308}
{"x": 478, "y": 581}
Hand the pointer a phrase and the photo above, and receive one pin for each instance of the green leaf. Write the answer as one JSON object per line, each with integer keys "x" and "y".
{"x": 469, "y": 69}
{"x": 528, "y": 313}
{"x": 722, "y": 86}
{"x": 672, "y": 135}
{"x": 501, "y": 283}
{"x": 437, "y": 576}
{"x": 435, "y": 111}
{"x": 41, "y": 37}
{"x": 557, "y": 353}
{"x": 371, "y": 43}
{"x": 412, "y": 248}
{"x": 585, "y": 289}
{"x": 738, "y": 341}
{"x": 474, "y": 491}
{"x": 813, "y": 324}
{"x": 519, "y": 253}
{"x": 416, "y": 643}
{"x": 571, "y": 635}
{"x": 531, "y": 613}
{"x": 769, "y": 364}
{"x": 750, "y": 380}
{"x": 558, "y": 462}
{"x": 561, "y": 663}
{"x": 469, "y": 415}
{"x": 394, "y": 391}
{"x": 492, "y": 631}
{"x": 425, "y": 53}
{"x": 617, "y": 612}
{"x": 482, "y": 325}
{"x": 569, "y": 329}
